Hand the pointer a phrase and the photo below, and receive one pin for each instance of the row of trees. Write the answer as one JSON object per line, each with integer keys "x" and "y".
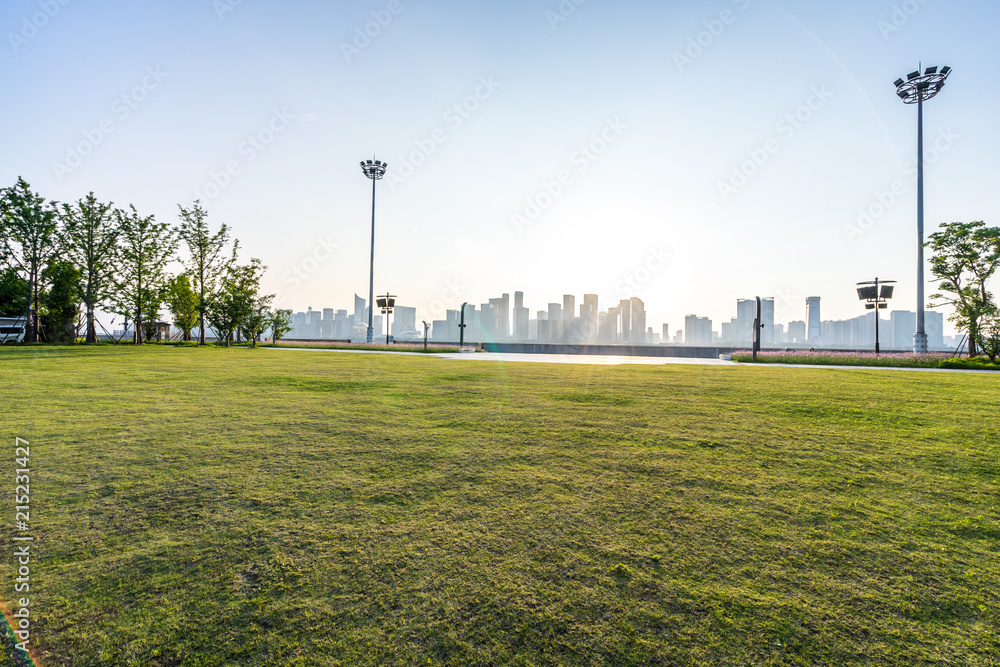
{"x": 965, "y": 257}
{"x": 59, "y": 263}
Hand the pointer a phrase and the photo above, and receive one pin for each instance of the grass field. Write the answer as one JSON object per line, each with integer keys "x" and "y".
{"x": 271, "y": 507}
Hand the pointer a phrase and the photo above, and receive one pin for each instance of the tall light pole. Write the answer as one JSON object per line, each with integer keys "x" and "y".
{"x": 914, "y": 90}
{"x": 375, "y": 170}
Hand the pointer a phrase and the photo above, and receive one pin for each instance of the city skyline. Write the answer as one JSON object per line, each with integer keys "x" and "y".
{"x": 623, "y": 324}
{"x": 672, "y": 153}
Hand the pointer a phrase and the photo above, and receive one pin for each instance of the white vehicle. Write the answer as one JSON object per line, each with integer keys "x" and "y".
{"x": 12, "y": 329}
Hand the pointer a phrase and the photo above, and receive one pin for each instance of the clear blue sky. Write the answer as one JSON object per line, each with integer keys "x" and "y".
{"x": 670, "y": 98}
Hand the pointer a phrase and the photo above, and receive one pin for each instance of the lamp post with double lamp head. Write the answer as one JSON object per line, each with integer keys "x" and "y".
{"x": 876, "y": 293}
{"x": 918, "y": 87}
{"x": 375, "y": 170}
{"x": 386, "y": 304}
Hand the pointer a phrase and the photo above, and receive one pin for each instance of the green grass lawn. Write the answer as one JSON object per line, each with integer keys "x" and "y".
{"x": 272, "y": 507}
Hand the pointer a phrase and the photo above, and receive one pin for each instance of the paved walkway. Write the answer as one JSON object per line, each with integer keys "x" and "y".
{"x": 602, "y": 360}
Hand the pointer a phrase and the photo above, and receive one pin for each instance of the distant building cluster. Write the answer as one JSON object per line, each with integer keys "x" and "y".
{"x": 500, "y": 320}
{"x": 896, "y": 333}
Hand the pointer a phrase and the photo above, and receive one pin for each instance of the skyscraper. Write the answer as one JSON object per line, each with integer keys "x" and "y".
{"x": 697, "y": 330}
{"x": 359, "y": 310}
{"x": 767, "y": 320}
{"x": 521, "y": 318}
{"x": 625, "y": 330}
{"x": 812, "y": 319}
{"x": 568, "y": 311}
{"x": 746, "y": 313}
{"x": 637, "y": 324}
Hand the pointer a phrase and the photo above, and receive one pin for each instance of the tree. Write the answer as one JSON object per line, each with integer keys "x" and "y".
{"x": 989, "y": 338}
{"x": 90, "y": 239}
{"x": 281, "y": 323}
{"x": 145, "y": 247}
{"x": 28, "y": 241}
{"x": 966, "y": 255}
{"x": 256, "y": 323}
{"x": 238, "y": 304}
{"x": 60, "y": 301}
{"x": 183, "y": 304}
{"x": 13, "y": 294}
{"x": 207, "y": 263}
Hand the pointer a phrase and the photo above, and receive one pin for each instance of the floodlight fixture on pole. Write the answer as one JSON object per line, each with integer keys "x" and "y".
{"x": 875, "y": 294}
{"x": 375, "y": 170}
{"x": 918, "y": 87}
{"x": 386, "y": 304}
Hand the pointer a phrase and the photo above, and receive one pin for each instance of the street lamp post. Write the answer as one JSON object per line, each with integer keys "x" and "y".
{"x": 375, "y": 170}
{"x": 425, "y": 334}
{"x": 876, "y": 294}
{"x": 386, "y": 304}
{"x": 917, "y": 88}
{"x": 461, "y": 327}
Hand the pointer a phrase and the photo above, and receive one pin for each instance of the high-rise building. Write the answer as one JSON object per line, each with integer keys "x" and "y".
{"x": 590, "y": 311}
{"x": 521, "y": 318}
{"x": 812, "y": 320}
{"x": 625, "y": 328}
{"x": 902, "y": 324}
{"x": 746, "y": 313}
{"x": 934, "y": 327}
{"x": 569, "y": 307}
{"x": 767, "y": 333}
{"x": 697, "y": 330}
{"x": 404, "y": 319}
{"x": 609, "y": 330}
{"x": 637, "y": 324}
{"x": 360, "y": 314}
{"x": 313, "y": 318}
{"x": 666, "y": 333}
{"x": 797, "y": 332}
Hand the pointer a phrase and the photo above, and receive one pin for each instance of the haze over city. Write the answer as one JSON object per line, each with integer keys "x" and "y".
{"x": 687, "y": 154}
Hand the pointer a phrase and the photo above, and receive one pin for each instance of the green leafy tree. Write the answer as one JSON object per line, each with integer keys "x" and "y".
{"x": 280, "y": 323}
{"x": 238, "y": 305}
{"x": 13, "y": 293}
{"x": 90, "y": 238}
{"x": 989, "y": 335}
{"x": 256, "y": 324}
{"x": 145, "y": 247}
{"x": 207, "y": 263}
{"x": 182, "y": 302}
{"x": 29, "y": 240}
{"x": 60, "y": 301}
{"x": 965, "y": 256}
